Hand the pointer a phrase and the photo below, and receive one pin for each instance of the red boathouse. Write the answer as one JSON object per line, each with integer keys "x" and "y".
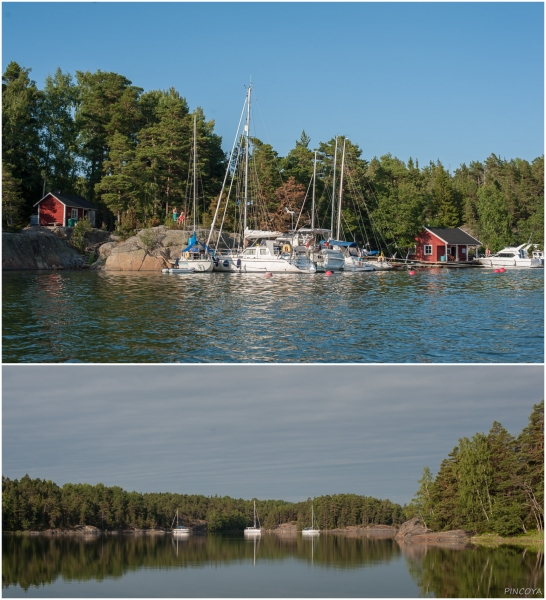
{"x": 436, "y": 244}
{"x": 56, "y": 208}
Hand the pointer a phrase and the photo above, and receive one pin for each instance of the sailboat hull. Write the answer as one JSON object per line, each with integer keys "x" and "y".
{"x": 234, "y": 264}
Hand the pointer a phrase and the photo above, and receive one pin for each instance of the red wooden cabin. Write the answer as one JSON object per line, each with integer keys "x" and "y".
{"x": 56, "y": 208}
{"x": 436, "y": 244}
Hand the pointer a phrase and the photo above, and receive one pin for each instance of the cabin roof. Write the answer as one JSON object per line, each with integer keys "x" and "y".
{"x": 69, "y": 200}
{"x": 454, "y": 236}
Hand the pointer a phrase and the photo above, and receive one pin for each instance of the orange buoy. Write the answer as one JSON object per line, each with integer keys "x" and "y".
{"x": 328, "y": 273}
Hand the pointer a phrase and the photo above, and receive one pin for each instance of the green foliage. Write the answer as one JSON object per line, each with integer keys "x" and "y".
{"x": 148, "y": 240}
{"x": 35, "y": 504}
{"x": 20, "y": 131}
{"x": 495, "y": 230}
{"x": 12, "y": 198}
{"x": 422, "y": 504}
{"x": 490, "y": 483}
{"x": 82, "y": 227}
{"x": 130, "y": 153}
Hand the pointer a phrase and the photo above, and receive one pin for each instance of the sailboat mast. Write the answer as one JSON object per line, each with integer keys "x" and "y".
{"x": 254, "y": 514}
{"x": 333, "y": 191}
{"x": 194, "y": 172}
{"x": 314, "y": 182}
{"x": 340, "y": 191}
{"x": 226, "y": 176}
{"x": 247, "y": 132}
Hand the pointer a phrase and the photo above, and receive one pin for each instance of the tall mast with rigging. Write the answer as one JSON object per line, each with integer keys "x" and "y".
{"x": 195, "y": 173}
{"x": 247, "y": 133}
{"x": 340, "y": 191}
{"x": 333, "y": 191}
{"x": 314, "y": 182}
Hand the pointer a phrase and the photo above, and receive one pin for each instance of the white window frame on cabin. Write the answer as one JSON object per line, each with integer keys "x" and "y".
{"x": 427, "y": 250}
{"x": 74, "y": 213}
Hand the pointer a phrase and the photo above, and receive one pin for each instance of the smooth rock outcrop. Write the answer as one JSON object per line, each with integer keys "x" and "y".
{"x": 149, "y": 250}
{"x": 415, "y": 531}
{"x": 38, "y": 248}
{"x": 153, "y": 249}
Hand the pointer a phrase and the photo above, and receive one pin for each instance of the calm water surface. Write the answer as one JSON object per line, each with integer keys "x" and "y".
{"x": 438, "y": 315}
{"x": 274, "y": 566}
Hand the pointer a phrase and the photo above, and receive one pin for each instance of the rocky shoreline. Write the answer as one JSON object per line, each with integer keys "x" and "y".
{"x": 41, "y": 248}
{"x": 412, "y": 532}
{"x": 415, "y": 531}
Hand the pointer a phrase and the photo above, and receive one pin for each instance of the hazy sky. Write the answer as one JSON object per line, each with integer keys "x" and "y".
{"x": 283, "y": 432}
{"x": 450, "y": 81}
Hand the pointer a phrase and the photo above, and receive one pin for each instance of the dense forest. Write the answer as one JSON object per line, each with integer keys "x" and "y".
{"x": 490, "y": 483}
{"x": 34, "y": 504}
{"x": 129, "y": 152}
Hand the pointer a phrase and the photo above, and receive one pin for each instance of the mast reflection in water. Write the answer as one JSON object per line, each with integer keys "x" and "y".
{"x": 273, "y": 566}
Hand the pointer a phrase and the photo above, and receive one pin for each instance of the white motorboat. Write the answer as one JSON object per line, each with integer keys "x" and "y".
{"x": 354, "y": 261}
{"x": 179, "y": 529}
{"x": 514, "y": 257}
{"x": 313, "y": 530}
{"x": 253, "y": 530}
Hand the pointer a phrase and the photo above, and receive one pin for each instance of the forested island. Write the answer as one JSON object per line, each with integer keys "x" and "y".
{"x": 491, "y": 483}
{"x": 128, "y": 152}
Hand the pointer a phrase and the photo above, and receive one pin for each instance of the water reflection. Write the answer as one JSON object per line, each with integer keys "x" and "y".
{"x": 33, "y": 562}
{"x": 476, "y": 572}
{"x": 435, "y": 316}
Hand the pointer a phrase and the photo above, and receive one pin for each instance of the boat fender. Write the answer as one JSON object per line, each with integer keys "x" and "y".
{"x": 226, "y": 263}
{"x": 286, "y": 248}
{"x": 216, "y": 262}
{"x": 238, "y": 263}
{"x": 186, "y": 255}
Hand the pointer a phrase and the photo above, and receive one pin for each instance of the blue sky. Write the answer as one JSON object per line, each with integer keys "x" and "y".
{"x": 271, "y": 432}
{"x": 448, "y": 81}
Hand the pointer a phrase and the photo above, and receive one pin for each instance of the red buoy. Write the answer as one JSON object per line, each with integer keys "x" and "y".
{"x": 268, "y": 274}
{"x": 496, "y": 271}
{"x": 328, "y": 273}
{"x": 412, "y": 272}
{"x": 502, "y": 270}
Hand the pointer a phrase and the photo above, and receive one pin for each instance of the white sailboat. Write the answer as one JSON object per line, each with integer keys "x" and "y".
{"x": 314, "y": 242}
{"x": 179, "y": 529}
{"x": 313, "y": 530}
{"x": 353, "y": 259}
{"x": 197, "y": 256}
{"x": 253, "y": 530}
{"x": 261, "y": 252}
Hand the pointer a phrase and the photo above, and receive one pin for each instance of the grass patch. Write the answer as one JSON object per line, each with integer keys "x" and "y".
{"x": 526, "y": 539}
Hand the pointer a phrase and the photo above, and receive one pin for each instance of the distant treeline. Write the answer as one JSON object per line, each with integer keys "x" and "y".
{"x": 129, "y": 152}
{"x": 35, "y": 504}
{"x": 490, "y": 483}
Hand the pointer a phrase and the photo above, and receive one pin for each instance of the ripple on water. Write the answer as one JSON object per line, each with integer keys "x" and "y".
{"x": 438, "y": 315}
